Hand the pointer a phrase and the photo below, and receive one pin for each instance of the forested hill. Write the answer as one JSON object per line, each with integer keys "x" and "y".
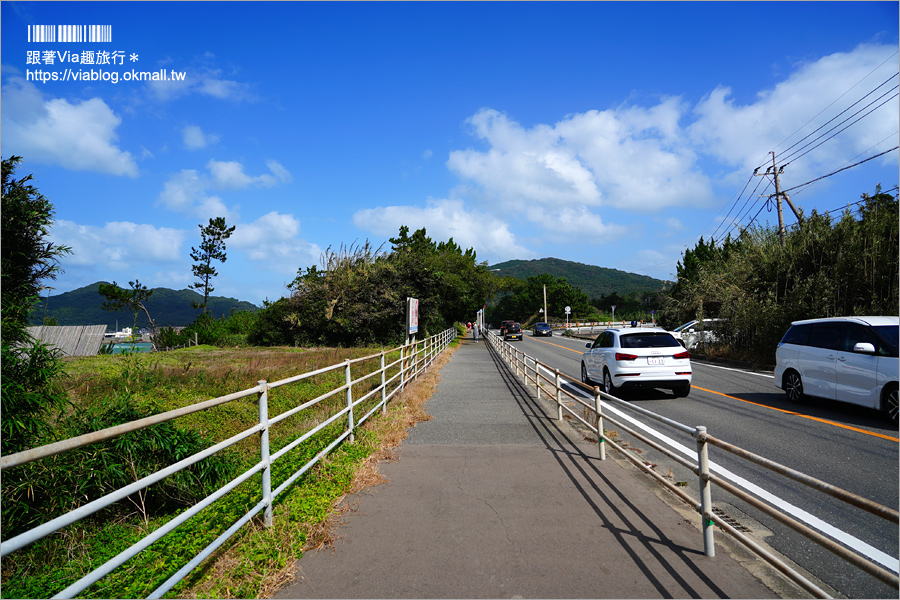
{"x": 169, "y": 308}
{"x": 594, "y": 281}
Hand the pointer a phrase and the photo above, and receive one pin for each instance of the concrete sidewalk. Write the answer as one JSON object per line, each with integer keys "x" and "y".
{"x": 495, "y": 498}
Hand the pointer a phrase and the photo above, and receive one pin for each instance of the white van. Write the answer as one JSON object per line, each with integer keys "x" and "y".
{"x": 849, "y": 359}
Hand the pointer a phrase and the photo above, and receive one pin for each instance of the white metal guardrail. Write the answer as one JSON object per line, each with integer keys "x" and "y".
{"x": 549, "y": 380}
{"x": 414, "y": 359}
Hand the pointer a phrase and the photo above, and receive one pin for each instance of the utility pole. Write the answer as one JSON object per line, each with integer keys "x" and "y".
{"x": 775, "y": 171}
{"x": 546, "y": 316}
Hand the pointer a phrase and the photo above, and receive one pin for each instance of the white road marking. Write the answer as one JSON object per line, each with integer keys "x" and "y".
{"x": 766, "y": 375}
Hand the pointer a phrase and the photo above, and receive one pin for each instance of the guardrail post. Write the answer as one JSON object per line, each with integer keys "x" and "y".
{"x": 350, "y": 424}
{"x": 709, "y": 547}
{"x": 263, "y": 404}
{"x": 402, "y": 371}
{"x": 537, "y": 381}
{"x": 601, "y": 442}
{"x": 559, "y": 415}
{"x": 383, "y": 386}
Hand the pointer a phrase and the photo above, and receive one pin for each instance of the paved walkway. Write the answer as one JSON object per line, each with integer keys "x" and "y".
{"x": 495, "y": 498}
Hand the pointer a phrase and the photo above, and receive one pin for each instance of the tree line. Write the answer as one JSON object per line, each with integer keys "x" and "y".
{"x": 825, "y": 267}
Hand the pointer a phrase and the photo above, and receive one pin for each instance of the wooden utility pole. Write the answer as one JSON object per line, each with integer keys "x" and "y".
{"x": 775, "y": 171}
{"x": 546, "y": 316}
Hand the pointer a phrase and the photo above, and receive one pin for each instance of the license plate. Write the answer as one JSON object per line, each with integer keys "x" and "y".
{"x": 656, "y": 360}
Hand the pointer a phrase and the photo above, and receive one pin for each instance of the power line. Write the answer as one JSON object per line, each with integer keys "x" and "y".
{"x": 838, "y": 115}
{"x": 878, "y": 143}
{"x": 791, "y": 158}
{"x": 843, "y": 169}
{"x": 835, "y": 100}
{"x": 734, "y": 204}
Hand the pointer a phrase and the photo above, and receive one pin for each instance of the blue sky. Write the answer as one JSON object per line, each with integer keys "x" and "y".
{"x": 612, "y": 134}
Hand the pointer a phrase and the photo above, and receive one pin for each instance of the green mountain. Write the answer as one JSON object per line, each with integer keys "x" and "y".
{"x": 169, "y": 308}
{"x": 594, "y": 281}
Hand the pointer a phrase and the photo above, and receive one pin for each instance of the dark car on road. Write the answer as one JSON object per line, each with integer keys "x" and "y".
{"x": 513, "y": 331}
{"x": 541, "y": 329}
{"x": 503, "y": 325}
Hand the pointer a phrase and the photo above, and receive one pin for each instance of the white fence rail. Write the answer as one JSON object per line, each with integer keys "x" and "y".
{"x": 414, "y": 359}
{"x": 550, "y": 381}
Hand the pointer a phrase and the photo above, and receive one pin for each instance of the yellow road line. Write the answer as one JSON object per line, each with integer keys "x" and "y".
{"x": 796, "y": 414}
{"x": 552, "y": 344}
{"x": 788, "y": 412}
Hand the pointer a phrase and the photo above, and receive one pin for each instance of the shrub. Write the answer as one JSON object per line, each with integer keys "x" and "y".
{"x": 36, "y": 492}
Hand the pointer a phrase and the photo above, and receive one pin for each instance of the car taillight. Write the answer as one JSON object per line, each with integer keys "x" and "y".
{"x": 682, "y": 355}
{"x": 621, "y": 356}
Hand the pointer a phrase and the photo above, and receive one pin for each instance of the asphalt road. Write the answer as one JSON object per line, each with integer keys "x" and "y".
{"x": 850, "y": 447}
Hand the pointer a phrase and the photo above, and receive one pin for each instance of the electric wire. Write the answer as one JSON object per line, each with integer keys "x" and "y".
{"x": 790, "y": 158}
{"x": 787, "y": 150}
{"x": 844, "y": 208}
{"x": 745, "y": 209}
{"x": 842, "y": 169}
{"x": 835, "y": 100}
{"x": 733, "y": 205}
{"x": 872, "y": 147}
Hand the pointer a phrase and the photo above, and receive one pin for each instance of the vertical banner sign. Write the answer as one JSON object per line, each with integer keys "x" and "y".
{"x": 412, "y": 316}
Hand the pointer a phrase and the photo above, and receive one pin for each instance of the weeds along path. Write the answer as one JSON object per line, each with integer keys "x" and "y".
{"x": 264, "y": 559}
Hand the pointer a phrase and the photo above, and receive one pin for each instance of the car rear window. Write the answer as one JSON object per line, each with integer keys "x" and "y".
{"x": 797, "y": 334}
{"x": 658, "y": 339}
{"x": 890, "y": 333}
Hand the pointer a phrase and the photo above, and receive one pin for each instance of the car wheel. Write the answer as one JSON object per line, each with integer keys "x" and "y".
{"x": 584, "y": 376}
{"x": 889, "y": 402}
{"x": 682, "y": 392}
{"x": 793, "y": 386}
{"x": 608, "y": 386}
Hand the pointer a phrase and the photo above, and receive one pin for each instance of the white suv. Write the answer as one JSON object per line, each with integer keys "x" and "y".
{"x": 695, "y": 332}
{"x": 849, "y": 359}
{"x": 637, "y": 358}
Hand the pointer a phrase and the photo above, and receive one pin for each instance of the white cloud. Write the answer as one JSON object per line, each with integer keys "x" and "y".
{"x": 644, "y": 159}
{"x": 188, "y": 192}
{"x": 630, "y": 159}
{"x": 118, "y": 246}
{"x": 674, "y": 224}
{"x": 273, "y": 240}
{"x": 203, "y": 77}
{"x": 194, "y": 138}
{"x": 444, "y": 219}
{"x": 80, "y": 135}
{"x": 742, "y": 135}
{"x": 230, "y": 175}
{"x": 278, "y": 170}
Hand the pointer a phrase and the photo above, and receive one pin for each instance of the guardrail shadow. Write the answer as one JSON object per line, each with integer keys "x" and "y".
{"x": 631, "y": 525}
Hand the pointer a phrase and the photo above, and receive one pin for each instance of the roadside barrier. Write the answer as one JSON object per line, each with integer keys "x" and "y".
{"x": 599, "y": 410}
{"x": 414, "y": 359}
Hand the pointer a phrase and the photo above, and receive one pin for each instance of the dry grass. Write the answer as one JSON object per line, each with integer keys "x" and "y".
{"x": 406, "y": 411}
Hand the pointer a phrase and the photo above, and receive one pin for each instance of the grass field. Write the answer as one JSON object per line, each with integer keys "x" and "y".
{"x": 256, "y": 560}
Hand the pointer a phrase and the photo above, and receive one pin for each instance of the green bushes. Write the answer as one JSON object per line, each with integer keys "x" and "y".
{"x": 37, "y": 492}
{"x": 228, "y": 332}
